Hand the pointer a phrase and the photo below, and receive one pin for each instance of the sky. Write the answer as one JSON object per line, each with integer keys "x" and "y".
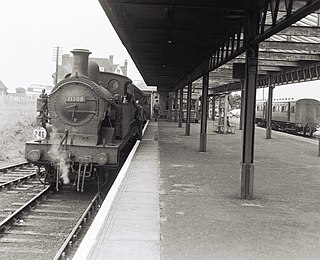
{"x": 30, "y": 29}
{"x": 309, "y": 89}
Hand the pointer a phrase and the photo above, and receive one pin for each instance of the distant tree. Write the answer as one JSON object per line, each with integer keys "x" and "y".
{"x": 235, "y": 101}
{"x": 21, "y": 90}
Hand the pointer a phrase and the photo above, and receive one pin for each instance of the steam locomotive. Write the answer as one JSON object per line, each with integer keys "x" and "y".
{"x": 300, "y": 116}
{"x": 85, "y": 124}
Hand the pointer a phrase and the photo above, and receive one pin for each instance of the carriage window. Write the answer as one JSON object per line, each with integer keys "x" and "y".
{"x": 274, "y": 109}
{"x": 292, "y": 109}
{"x": 282, "y": 109}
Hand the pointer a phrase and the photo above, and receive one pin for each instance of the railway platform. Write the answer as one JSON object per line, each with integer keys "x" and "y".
{"x": 177, "y": 203}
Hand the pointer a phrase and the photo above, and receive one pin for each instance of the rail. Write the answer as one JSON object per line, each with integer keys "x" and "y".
{"x": 10, "y": 167}
{"x": 23, "y": 208}
{"x": 68, "y": 243}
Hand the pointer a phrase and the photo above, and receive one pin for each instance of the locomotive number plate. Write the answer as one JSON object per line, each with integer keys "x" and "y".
{"x": 76, "y": 99}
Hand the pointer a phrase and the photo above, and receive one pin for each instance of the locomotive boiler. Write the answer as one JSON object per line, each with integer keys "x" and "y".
{"x": 293, "y": 116}
{"x": 85, "y": 124}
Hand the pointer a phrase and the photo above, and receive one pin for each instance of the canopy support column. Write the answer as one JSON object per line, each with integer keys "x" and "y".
{"x": 247, "y": 171}
{"x": 269, "y": 113}
{"x": 242, "y": 107}
{"x": 180, "y": 108}
{"x": 213, "y": 115}
{"x": 204, "y": 112}
{"x": 251, "y": 30}
{"x": 225, "y": 114}
{"x": 188, "y": 116}
{"x": 176, "y": 106}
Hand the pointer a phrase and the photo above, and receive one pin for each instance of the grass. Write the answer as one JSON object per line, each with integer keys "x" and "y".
{"x": 17, "y": 121}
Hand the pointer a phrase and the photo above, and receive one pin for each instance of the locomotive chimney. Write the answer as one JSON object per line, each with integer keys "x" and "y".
{"x": 80, "y": 62}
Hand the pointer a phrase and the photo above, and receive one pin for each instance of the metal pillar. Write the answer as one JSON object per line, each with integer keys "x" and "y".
{"x": 269, "y": 113}
{"x": 180, "y": 108}
{"x": 176, "y": 106}
{"x": 170, "y": 109}
{"x": 247, "y": 171}
{"x": 220, "y": 114}
{"x": 151, "y": 105}
{"x": 225, "y": 114}
{"x": 242, "y": 107}
{"x": 204, "y": 111}
{"x": 213, "y": 107}
{"x": 251, "y": 30}
{"x": 188, "y": 116}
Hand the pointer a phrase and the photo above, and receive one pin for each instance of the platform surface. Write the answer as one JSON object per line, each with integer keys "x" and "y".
{"x": 202, "y": 216}
{"x": 178, "y": 203}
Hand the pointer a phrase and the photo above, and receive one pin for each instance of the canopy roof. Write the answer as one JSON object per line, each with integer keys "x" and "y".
{"x": 174, "y": 43}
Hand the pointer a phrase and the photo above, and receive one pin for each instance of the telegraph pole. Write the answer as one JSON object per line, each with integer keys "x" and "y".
{"x": 57, "y": 51}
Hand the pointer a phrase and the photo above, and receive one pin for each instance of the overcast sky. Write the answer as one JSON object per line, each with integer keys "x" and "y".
{"x": 30, "y": 29}
{"x": 310, "y": 89}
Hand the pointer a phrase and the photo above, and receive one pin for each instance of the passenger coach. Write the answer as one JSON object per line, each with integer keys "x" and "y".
{"x": 294, "y": 116}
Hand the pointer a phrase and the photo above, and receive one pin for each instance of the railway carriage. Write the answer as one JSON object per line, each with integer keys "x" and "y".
{"x": 85, "y": 124}
{"x": 294, "y": 116}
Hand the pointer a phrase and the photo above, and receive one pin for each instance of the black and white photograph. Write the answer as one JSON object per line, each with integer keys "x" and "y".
{"x": 160, "y": 130}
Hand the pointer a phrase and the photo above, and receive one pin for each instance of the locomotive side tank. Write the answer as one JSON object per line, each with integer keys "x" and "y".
{"x": 300, "y": 116}
{"x": 85, "y": 123}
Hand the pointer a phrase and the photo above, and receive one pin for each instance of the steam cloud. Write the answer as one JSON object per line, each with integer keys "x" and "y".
{"x": 58, "y": 156}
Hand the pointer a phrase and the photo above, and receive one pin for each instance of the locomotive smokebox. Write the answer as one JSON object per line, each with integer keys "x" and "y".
{"x": 80, "y": 62}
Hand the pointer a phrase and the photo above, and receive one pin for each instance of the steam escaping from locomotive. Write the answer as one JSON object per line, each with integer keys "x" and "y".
{"x": 86, "y": 124}
{"x": 58, "y": 156}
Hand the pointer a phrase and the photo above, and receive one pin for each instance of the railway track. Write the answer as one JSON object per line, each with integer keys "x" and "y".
{"x": 15, "y": 174}
{"x": 36, "y": 223}
{"x": 307, "y": 139}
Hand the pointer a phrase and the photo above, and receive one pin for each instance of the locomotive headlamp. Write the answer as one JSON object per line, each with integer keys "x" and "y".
{"x": 102, "y": 158}
{"x": 113, "y": 84}
{"x": 34, "y": 155}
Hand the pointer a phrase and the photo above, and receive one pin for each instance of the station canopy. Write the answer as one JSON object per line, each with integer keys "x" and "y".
{"x": 174, "y": 43}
